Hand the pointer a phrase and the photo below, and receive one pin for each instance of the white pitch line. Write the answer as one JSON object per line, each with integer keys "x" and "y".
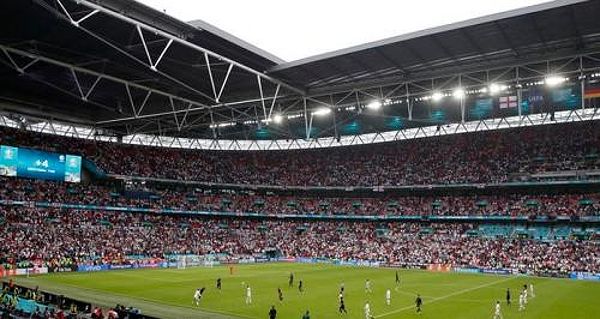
{"x": 447, "y": 296}
{"x": 411, "y": 294}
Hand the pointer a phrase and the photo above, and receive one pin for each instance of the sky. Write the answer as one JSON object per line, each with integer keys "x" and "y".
{"x": 293, "y": 30}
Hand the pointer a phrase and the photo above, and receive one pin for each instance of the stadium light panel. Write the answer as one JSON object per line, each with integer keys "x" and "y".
{"x": 496, "y": 88}
{"x": 226, "y": 124}
{"x": 375, "y": 105}
{"x": 458, "y": 93}
{"x": 277, "y": 118}
{"x": 437, "y": 96}
{"x": 322, "y": 112}
{"x": 553, "y": 80}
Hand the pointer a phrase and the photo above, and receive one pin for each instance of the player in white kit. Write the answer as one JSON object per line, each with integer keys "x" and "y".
{"x": 531, "y": 293}
{"x": 497, "y": 311}
{"x": 198, "y": 296}
{"x": 248, "y": 295}
{"x": 368, "y": 311}
{"x": 388, "y": 297}
{"x": 368, "y": 286}
{"x": 521, "y": 302}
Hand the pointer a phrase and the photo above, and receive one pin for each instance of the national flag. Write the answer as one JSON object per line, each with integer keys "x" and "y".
{"x": 507, "y": 102}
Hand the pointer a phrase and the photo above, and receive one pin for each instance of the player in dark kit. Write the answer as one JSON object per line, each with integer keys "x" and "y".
{"x": 419, "y": 303}
{"x": 291, "y": 281}
{"x": 508, "y": 297}
{"x": 342, "y": 308}
{"x": 219, "y": 284}
{"x": 280, "y": 294}
{"x": 300, "y": 286}
{"x": 272, "y": 313}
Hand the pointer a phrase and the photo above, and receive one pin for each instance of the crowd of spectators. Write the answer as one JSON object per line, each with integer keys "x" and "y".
{"x": 91, "y": 237}
{"x": 40, "y": 304}
{"x": 63, "y": 239}
{"x": 490, "y": 157}
{"x": 550, "y": 205}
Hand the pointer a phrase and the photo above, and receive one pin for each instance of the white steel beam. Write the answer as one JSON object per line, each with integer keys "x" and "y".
{"x": 262, "y": 97}
{"x": 181, "y": 41}
{"x": 127, "y": 83}
{"x": 224, "y": 82}
{"x": 210, "y": 76}
{"x": 273, "y": 101}
{"x": 122, "y": 51}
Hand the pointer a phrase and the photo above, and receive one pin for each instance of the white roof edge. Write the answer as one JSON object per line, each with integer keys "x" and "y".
{"x": 203, "y": 25}
{"x": 447, "y": 27}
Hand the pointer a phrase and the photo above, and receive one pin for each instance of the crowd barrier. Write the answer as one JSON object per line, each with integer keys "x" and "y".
{"x": 23, "y": 271}
{"x": 150, "y": 264}
{"x": 382, "y": 218}
{"x": 585, "y": 276}
{"x": 88, "y": 268}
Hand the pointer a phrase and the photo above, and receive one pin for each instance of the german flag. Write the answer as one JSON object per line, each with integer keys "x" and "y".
{"x": 592, "y": 93}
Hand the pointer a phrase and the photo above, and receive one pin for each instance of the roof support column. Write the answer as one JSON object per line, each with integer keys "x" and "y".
{"x": 462, "y": 101}
{"x": 335, "y": 131}
{"x": 519, "y": 93}
{"x": 582, "y": 93}
{"x": 307, "y": 130}
{"x": 409, "y": 103}
{"x": 582, "y": 79}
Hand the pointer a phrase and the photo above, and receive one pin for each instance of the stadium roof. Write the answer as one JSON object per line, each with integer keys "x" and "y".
{"x": 544, "y": 30}
{"x": 125, "y": 68}
{"x": 108, "y": 43}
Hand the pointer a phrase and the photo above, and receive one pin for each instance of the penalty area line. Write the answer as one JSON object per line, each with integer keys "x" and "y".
{"x": 447, "y": 296}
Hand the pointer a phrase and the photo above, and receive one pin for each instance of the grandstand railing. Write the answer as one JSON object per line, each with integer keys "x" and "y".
{"x": 382, "y": 218}
{"x": 594, "y": 180}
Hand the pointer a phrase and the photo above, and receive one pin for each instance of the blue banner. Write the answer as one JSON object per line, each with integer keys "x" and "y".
{"x": 92, "y": 267}
{"x": 585, "y": 276}
{"x": 496, "y": 271}
{"x": 467, "y": 270}
{"x": 29, "y": 163}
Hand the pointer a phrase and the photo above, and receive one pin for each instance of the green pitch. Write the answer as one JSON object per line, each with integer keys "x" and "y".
{"x": 168, "y": 293}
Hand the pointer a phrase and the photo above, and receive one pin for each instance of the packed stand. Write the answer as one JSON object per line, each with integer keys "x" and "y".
{"x": 481, "y": 157}
{"x": 550, "y": 205}
{"x": 50, "y": 236}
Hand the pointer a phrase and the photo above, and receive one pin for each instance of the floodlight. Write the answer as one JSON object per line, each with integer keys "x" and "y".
{"x": 458, "y": 93}
{"x": 496, "y": 88}
{"x": 436, "y": 96}
{"x": 375, "y": 105}
{"x": 553, "y": 80}
{"x": 277, "y": 118}
{"x": 322, "y": 112}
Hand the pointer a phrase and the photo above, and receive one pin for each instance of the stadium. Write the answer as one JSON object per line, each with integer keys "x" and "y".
{"x": 156, "y": 168}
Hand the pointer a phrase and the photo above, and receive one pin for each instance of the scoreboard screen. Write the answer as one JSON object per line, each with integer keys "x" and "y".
{"x": 29, "y": 163}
